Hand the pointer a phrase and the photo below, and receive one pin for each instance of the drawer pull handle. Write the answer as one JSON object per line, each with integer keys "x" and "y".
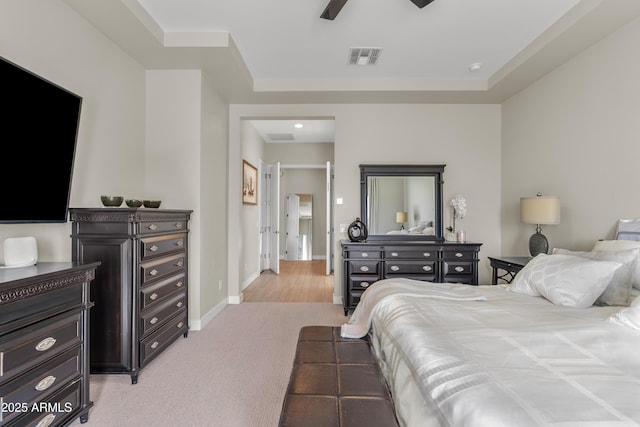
{"x": 153, "y": 272}
{"x": 364, "y": 254}
{"x": 426, "y": 254}
{"x": 394, "y": 253}
{"x": 45, "y": 344}
{"x": 395, "y": 268}
{"x": 364, "y": 268}
{"x": 155, "y": 345}
{"x": 45, "y": 383}
{"x": 179, "y": 263}
{"x": 180, "y": 243}
{"x": 180, "y": 325}
{"x": 152, "y": 227}
{"x": 179, "y": 304}
{"x": 459, "y": 254}
{"x": 364, "y": 284}
{"x": 153, "y": 320}
{"x": 459, "y": 269}
{"x": 153, "y": 248}
{"x": 179, "y": 284}
{"x": 426, "y": 268}
{"x": 46, "y": 421}
{"x": 153, "y": 296}
{"x": 178, "y": 225}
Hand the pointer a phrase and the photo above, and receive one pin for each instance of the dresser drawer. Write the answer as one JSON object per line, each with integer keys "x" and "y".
{"x": 459, "y": 255}
{"x": 155, "y": 343}
{"x": 362, "y": 282}
{"x": 154, "y": 270}
{"x": 462, "y": 272}
{"x": 159, "y": 315}
{"x": 364, "y": 267}
{"x": 41, "y": 382}
{"x": 362, "y": 254}
{"x": 409, "y": 267}
{"x": 414, "y": 253}
{"x": 152, "y": 227}
{"x": 26, "y": 347}
{"x": 153, "y": 247}
{"x": 54, "y": 410}
{"x": 156, "y": 293}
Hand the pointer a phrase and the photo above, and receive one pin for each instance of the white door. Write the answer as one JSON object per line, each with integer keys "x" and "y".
{"x": 292, "y": 221}
{"x": 329, "y": 248}
{"x": 274, "y": 217}
{"x": 263, "y": 197}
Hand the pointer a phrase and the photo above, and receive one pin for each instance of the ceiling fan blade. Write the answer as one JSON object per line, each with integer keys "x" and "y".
{"x": 333, "y": 8}
{"x": 421, "y": 3}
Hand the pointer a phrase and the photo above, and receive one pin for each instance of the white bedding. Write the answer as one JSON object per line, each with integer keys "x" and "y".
{"x": 495, "y": 358}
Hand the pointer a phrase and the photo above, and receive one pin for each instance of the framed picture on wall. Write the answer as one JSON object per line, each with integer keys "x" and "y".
{"x": 249, "y": 184}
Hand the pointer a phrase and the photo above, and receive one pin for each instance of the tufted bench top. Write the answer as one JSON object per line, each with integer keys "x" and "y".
{"x": 335, "y": 382}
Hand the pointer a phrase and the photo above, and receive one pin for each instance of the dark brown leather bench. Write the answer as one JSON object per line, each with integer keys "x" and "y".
{"x": 337, "y": 382}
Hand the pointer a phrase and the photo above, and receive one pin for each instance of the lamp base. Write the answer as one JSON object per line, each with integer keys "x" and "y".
{"x": 538, "y": 244}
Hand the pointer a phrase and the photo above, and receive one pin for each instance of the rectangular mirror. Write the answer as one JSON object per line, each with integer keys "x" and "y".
{"x": 402, "y": 201}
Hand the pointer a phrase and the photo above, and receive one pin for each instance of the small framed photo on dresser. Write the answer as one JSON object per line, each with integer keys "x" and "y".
{"x": 249, "y": 184}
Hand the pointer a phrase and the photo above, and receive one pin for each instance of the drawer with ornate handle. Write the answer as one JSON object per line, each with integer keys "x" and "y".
{"x": 362, "y": 283}
{"x": 363, "y": 267}
{"x": 459, "y": 255}
{"x": 153, "y": 247}
{"x": 153, "y": 345}
{"x": 41, "y": 382}
{"x": 409, "y": 267}
{"x": 56, "y": 410}
{"x": 155, "y": 270}
{"x": 155, "y": 318}
{"x": 423, "y": 253}
{"x": 27, "y": 347}
{"x": 362, "y": 254}
{"x": 149, "y": 227}
{"x": 155, "y": 293}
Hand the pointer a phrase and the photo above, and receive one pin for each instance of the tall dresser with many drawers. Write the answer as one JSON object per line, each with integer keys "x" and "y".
{"x": 140, "y": 291}
{"x": 430, "y": 261}
{"x": 44, "y": 373}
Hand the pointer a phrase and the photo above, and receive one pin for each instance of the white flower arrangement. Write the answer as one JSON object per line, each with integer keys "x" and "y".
{"x": 459, "y": 205}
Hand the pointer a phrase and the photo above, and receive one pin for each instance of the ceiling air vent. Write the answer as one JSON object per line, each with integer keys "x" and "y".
{"x": 364, "y": 55}
{"x": 280, "y": 136}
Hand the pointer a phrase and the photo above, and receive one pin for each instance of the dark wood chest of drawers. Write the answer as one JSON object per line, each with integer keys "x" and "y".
{"x": 140, "y": 289}
{"x": 370, "y": 261}
{"x": 44, "y": 317}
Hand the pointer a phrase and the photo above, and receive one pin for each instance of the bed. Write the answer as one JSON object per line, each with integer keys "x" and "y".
{"x": 536, "y": 352}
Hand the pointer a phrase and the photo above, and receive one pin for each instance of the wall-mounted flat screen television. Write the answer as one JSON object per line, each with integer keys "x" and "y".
{"x": 38, "y": 132}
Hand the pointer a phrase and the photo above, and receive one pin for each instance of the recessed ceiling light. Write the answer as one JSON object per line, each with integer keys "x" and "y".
{"x": 298, "y": 125}
{"x": 475, "y": 66}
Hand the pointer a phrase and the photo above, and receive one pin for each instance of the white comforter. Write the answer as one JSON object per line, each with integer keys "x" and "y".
{"x": 490, "y": 357}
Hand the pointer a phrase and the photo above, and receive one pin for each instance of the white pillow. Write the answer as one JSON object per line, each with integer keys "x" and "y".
{"x": 621, "y": 245}
{"x": 618, "y": 291}
{"x": 629, "y": 316}
{"x": 565, "y": 280}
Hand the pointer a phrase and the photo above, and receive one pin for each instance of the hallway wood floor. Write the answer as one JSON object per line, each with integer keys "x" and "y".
{"x": 298, "y": 281}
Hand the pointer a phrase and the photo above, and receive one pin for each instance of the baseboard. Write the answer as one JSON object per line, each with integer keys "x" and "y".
{"x": 197, "y": 325}
{"x": 337, "y": 299}
{"x": 247, "y": 282}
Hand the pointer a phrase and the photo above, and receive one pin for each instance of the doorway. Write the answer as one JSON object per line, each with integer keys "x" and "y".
{"x": 299, "y": 227}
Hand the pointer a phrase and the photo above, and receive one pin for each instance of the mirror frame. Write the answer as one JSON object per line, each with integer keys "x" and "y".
{"x": 401, "y": 170}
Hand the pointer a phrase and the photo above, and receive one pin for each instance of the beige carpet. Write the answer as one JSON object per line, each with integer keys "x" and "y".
{"x": 232, "y": 373}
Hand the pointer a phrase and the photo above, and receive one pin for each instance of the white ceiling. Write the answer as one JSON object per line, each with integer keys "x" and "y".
{"x": 285, "y": 131}
{"x": 282, "y": 52}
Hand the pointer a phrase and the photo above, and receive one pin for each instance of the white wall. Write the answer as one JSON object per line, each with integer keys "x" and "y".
{"x": 48, "y": 38}
{"x": 575, "y": 134}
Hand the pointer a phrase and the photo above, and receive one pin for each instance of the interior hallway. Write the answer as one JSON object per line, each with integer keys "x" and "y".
{"x": 298, "y": 281}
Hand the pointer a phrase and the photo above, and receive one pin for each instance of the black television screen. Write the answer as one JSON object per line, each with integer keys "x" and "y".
{"x": 38, "y": 132}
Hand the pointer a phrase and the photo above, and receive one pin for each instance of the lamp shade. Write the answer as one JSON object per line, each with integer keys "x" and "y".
{"x": 401, "y": 217}
{"x": 540, "y": 210}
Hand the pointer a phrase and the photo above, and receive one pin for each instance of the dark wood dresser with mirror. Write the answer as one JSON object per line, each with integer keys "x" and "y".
{"x": 140, "y": 289}
{"x": 44, "y": 353}
{"x": 414, "y": 248}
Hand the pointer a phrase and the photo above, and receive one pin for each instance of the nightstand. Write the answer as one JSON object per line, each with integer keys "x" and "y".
{"x": 509, "y": 264}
